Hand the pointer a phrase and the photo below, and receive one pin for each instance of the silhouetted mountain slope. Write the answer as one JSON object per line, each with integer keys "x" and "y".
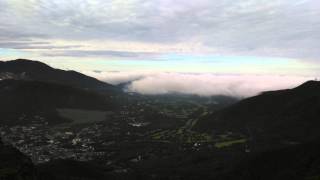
{"x": 29, "y": 98}
{"x": 14, "y": 165}
{"x": 34, "y": 70}
{"x": 301, "y": 162}
{"x": 292, "y": 113}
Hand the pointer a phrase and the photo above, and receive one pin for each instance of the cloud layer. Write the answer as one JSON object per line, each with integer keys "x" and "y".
{"x": 200, "y": 84}
{"x": 283, "y": 28}
{"x": 117, "y": 77}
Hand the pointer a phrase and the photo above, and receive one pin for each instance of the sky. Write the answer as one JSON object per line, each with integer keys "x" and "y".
{"x": 204, "y": 47}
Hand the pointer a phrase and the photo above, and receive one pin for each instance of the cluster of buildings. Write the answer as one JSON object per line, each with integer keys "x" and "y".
{"x": 42, "y": 143}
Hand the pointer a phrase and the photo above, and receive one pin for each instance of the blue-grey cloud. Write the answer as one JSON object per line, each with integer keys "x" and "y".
{"x": 283, "y": 28}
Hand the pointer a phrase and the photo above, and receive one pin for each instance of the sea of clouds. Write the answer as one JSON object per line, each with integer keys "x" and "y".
{"x": 203, "y": 84}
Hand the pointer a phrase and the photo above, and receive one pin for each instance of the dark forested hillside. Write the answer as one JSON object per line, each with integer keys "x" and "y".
{"x": 30, "y": 98}
{"x": 35, "y": 70}
{"x": 299, "y": 162}
{"x": 292, "y": 114}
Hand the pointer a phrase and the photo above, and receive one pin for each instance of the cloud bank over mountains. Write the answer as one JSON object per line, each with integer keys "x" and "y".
{"x": 202, "y": 84}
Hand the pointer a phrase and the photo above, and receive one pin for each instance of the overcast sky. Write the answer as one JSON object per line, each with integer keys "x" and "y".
{"x": 269, "y": 37}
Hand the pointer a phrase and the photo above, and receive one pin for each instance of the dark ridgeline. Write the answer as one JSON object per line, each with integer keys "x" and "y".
{"x": 30, "y": 87}
{"x": 291, "y": 114}
{"x": 34, "y": 70}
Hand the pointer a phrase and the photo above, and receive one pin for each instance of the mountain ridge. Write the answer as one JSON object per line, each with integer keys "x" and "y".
{"x": 20, "y": 97}
{"x": 36, "y": 70}
{"x": 289, "y": 112}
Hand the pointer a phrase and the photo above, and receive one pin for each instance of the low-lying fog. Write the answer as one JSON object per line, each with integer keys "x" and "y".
{"x": 203, "y": 84}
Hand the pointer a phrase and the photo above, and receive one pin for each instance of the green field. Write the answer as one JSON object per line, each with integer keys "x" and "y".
{"x": 182, "y": 136}
{"x": 229, "y": 143}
